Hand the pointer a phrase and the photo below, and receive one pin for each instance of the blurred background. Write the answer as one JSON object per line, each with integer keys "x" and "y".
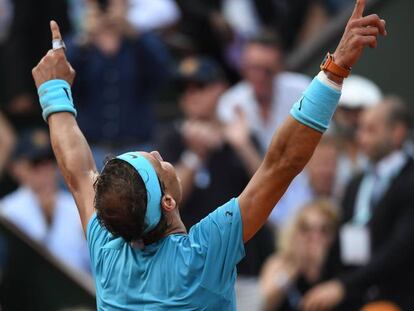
{"x": 207, "y": 83}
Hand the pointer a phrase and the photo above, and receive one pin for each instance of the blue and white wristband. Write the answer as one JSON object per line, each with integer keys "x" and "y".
{"x": 318, "y": 103}
{"x": 55, "y": 96}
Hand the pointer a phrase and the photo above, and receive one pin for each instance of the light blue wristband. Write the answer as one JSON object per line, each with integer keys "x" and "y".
{"x": 55, "y": 96}
{"x": 317, "y": 106}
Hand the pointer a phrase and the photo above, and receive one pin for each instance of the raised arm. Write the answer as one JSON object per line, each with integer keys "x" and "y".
{"x": 53, "y": 77}
{"x": 294, "y": 143}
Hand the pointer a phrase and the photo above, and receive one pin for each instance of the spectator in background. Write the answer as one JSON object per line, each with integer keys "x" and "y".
{"x": 373, "y": 255}
{"x": 297, "y": 265}
{"x": 143, "y": 15}
{"x": 25, "y": 44}
{"x": 7, "y": 142}
{"x": 152, "y": 15}
{"x": 119, "y": 72}
{"x": 358, "y": 93}
{"x": 39, "y": 208}
{"x": 6, "y": 16}
{"x": 265, "y": 96}
{"x": 322, "y": 167}
{"x": 214, "y": 162}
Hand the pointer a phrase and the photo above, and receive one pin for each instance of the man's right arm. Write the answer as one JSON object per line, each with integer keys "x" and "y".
{"x": 75, "y": 162}
{"x": 71, "y": 150}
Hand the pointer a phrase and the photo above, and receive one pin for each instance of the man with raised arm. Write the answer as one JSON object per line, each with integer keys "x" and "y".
{"x": 142, "y": 257}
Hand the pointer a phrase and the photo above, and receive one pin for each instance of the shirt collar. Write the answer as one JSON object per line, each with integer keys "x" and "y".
{"x": 390, "y": 165}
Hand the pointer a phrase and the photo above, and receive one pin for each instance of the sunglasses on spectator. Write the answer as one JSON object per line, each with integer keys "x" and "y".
{"x": 306, "y": 227}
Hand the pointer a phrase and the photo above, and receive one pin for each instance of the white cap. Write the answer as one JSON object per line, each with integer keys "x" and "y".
{"x": 359, "y": 92}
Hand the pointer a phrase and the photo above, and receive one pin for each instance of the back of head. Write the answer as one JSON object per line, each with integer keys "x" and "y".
{"x": 121, "y": 200}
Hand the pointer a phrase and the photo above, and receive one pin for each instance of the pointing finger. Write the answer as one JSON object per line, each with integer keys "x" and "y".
{"x": 359, "y": 9}
{"x": 54, "y": 28}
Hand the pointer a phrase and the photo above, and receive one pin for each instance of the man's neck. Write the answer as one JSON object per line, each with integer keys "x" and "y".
{"x": 175, "y": 226}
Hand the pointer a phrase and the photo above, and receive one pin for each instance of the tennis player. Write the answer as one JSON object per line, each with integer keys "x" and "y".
{"x": 142, "y": 256}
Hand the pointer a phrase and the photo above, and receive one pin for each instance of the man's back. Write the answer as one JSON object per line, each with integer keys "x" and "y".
{"x": 179, "y": 272}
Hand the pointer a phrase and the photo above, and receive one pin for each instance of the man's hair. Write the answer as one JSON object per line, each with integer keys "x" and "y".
{"x": 399, "y": 113}
{"x": 268, "y": 39}
{"x": 121, "y": 202}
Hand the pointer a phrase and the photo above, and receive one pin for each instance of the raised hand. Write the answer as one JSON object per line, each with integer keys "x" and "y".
{"x": 360, "y": 32}
{"x": 54, "y": 64}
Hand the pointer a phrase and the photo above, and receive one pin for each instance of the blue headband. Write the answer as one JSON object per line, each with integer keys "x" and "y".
{"x": 150, "y": 178}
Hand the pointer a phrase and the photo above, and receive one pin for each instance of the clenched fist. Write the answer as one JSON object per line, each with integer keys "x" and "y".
{"x": 54, "y": 64}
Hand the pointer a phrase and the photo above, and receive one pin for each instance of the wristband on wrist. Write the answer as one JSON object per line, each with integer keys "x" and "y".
{"x": 317, "y": 105}
{"x": 55, "y": 96}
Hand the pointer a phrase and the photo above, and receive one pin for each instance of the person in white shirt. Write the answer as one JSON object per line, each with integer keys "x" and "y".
{"x": 265, "y": 96}
{"x": 39, "y": 208}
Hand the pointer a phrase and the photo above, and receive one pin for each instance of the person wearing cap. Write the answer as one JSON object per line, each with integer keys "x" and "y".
{"x": 142, "y": 256}
{"x": 214, "y": 162}
{"x": 39, "y": 208}
{"x": 358, "y": 94}
{"x": 120, "y": 72}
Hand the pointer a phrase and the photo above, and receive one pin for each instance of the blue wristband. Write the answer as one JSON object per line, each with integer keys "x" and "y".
{"x": 317, "y": 106}
{"x": 55, "y": 96}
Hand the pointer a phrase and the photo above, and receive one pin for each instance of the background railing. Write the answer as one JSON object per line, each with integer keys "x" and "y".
{"x": 31, "y": 279}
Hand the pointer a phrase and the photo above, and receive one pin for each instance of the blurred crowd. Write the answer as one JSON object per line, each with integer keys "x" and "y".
{"x": 204, "y": 83}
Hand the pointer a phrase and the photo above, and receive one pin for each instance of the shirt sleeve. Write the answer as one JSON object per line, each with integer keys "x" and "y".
{"x": 96, "y": 236}
{"x": 220, "y": 240}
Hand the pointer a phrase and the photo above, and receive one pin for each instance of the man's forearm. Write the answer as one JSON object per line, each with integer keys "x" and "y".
{"x": 71, "y": 150}
{"x": 291, "y": 148}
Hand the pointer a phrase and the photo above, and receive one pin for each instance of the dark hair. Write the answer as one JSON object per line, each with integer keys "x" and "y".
{"x": 267, "y": 38}
{"x": 121, "y": 202}
{"x": 398, "y": 111}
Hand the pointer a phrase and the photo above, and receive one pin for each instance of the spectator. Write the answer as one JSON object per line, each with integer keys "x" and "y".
{"x": 265, "y": 96}
{"x": 372, "y": 257}
{"x": 321, "y": 169}
{"x": 7, "y": 142}
{"x": 199, "y": 146}
{"x": 144, "y": 15}
{"x": 204, "y": 30}
{"x": 119, "y": 73}
{"x": 213, "y": 163}
{"x": 39, "y": 208}
{"x": 358, "y": 93}
{"x": 303, "y": 245}
{"x": 152, "y": 15}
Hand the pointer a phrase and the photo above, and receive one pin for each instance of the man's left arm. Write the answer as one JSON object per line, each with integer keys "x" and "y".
{"x": 293, "y": 144}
